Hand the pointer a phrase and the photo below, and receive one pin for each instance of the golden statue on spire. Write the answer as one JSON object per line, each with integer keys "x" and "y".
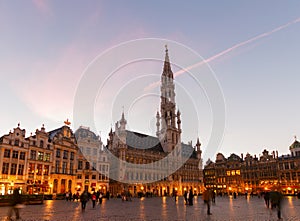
{"x": 67, "y": 122}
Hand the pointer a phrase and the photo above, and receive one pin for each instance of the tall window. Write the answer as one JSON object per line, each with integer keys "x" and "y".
{"x": 15, "y": 154}
{"x": 94, "y": 166}
{"x": 47, "y": 157}
{"x": 22, "y": 155}
{"x": 16, "y": 142}
{"x": 5, "y": 167}
{"x": 57, "y": 166}
{"x": 72, "y": 156}
{"x": 46, "y": 170}
{"x": 13, "y": 169}
{"x": 40, "y": 156}
{"x": 31, "y": 168}
{"x": 66, "y": 153}
{"x": 58, "y": 153}
{"x": 20, "y": 169}
{"x": 32, "y": 154}
{"x": 71, "y": 168}
{"x": 39, "y": 169}
{"x": 41, "y": 144}
{"x": 7, "y": 153}
{"x": 80, "y": 165}
{"x": 87, "y": 165}
{"x": 64, "y": 168}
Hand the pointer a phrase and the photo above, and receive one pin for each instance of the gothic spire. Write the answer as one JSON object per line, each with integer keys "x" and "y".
{"x": 167, "y": 67}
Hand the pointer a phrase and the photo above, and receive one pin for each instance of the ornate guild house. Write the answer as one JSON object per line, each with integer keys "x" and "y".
{"x": 143, "y": 164}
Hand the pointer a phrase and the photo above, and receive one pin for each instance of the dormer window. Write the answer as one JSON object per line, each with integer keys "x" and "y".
{"x": 16, "y": 142}
{"x": 41, "y": 144}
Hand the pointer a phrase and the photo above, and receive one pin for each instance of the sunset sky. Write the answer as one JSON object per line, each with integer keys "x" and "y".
{"x": 251, "y": 47}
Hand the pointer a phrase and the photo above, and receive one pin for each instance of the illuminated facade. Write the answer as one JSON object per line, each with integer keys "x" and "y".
{"x": 93, "y": 165}
{"x": 255, "y": 174}
{"x": 14, "y": 149}
{"x": 145, "y": 164}
{"x": 41, "y": 163}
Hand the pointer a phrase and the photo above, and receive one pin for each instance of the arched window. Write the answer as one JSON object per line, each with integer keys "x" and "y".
{"x": 41, "y": 144}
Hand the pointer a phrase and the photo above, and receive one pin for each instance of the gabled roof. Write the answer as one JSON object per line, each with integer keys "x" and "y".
{"x": 296, "y": 144}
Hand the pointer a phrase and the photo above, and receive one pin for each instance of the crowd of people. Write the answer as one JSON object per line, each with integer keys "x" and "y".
{"x": 273, "y": 199}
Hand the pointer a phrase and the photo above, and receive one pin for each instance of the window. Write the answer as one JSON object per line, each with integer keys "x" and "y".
{"x": 33, "y": 143}
{"x": 46, "y": 170}
{"x": 72, "y": 156}
{"x": 93, "y": 177}
{"x": 66, "y": 153}
{"x": 228, "y": 173}
{"x": 41, "y": 144}
{"x": 5, "y": 167}
{"x": 22, "y": 155}
{"x": 80, "y": 165}
{"x": 13, "y": 169}
{"x": 16, "y": 142}
{"x": 7, "y": 153}
{"x": 15, "y": 154}
{"x": 31, "y": 168}
{"x": 87, "y": 165}
{"x": 94, "y": 151}
{"x": 64, "y": 168}
{"x": 21, "y": 169}
{"x": 40, "y": 169}
{"x": 40, "y": 156}
{"x": 32, "y": 154}
{"x": 57, "y": 166}
{"x": 47, "y": 157}
{"x": 94, "y": 166}
{"x": 87, "y": 177}
{"x": 71, "y": 168}
{"x": 88, "y": 151}
{"x": 58, "y": 153}
{"x": 79, "y": 176}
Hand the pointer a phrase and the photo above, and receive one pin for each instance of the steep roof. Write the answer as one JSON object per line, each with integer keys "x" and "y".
{"x": 296, "y": 144}
{"x": 135, "y": 140}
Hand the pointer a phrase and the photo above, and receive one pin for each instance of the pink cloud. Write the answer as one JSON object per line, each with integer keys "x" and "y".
{"x": 42, "y": 6}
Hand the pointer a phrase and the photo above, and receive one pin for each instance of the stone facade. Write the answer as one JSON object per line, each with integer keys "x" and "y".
{"x": 161, "y": 165}
{"x": 254, "y": 174}
{"x": 93, "y": 164}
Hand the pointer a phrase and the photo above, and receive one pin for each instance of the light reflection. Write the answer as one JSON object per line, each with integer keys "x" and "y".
{"x": 164, "y": 208}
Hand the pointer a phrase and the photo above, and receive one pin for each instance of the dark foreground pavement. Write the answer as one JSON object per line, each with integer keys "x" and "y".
{"x": 165, "y": 208}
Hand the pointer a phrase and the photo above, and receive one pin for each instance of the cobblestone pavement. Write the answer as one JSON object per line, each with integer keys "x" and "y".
{"x": 165, "y": 208}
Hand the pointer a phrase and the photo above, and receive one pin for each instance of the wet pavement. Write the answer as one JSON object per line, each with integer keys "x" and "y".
{"x": 165, "y": 208}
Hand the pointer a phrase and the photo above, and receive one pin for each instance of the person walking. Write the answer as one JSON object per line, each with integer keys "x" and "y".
{"x": 185, "y": 195}
{"x": 191, "y": 197}
{"x": 267, "y": 199}
{"x": 84, "y": 197}
{"x": 15, "y": 201}
{"x": 207, "y": 196}
{"x": 100, "y": 198}
{"x": 276, "y": 200}
{"x": 94, "y": 198}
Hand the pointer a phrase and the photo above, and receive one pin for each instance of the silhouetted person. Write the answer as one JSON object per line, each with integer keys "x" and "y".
{"x": 207, "y": 196}
{"x": 191, "y": 197}
{"x": 185, "y": 195}
{"x": 15, "y": 200}
{"x": 94, "y": 198}
{"x": 84, "y": 197}
{"x": 267, "y": 199}
{"x": 276, "y": 199}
